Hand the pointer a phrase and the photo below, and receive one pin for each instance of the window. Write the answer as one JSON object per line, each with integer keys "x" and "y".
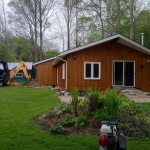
{"x": 92, "y": 70}
{"x": 19, "y": 75}
{"x": 1, "y": 67}
{"x": 63, "y": 71}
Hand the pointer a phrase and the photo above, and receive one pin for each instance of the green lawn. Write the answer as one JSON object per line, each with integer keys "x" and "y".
{"x": 18, "y": 105}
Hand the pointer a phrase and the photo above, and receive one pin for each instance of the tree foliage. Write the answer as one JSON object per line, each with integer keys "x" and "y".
{"x": 50, "y": 54}
{"x": 74, "y": 22}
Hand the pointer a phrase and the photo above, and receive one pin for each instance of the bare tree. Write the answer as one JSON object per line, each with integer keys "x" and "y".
{"x": 31, "y": 19}
{"x": 70, "y": 11}
{"x": 3, "y": 27}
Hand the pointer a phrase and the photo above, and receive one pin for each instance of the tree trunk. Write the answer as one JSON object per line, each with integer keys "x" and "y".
{"x": 41, "y": 34}
{"x": 35, "y": 31}
{"x": 101, "y": 20}
{"x": 132, "y": 21}
{"x": 68, "y": 28}
{"x": 118, "y": 16}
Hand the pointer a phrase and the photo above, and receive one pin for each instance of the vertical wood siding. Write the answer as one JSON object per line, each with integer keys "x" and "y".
{"x": 46, "y": 73}
{"x": 106, "y": 54}
{"x": 61, "y": 82}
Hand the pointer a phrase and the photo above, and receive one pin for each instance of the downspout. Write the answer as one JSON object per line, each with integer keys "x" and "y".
{"x": 66, "y": 71}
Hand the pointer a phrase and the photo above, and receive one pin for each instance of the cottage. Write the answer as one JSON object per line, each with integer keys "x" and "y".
{"x": 20, "y": 75}
{"x": 110, "y": 62}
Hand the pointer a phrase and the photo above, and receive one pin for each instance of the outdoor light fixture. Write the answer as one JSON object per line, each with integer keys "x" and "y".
{"x": 142, "y": 66}
{"x": 148, "y": 61}
{"x": 74, "y": 56}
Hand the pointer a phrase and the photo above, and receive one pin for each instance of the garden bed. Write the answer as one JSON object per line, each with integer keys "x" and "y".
{"x": 74, "y": 119}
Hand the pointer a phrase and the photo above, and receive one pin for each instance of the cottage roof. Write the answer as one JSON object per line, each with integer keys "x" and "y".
{"x": 117, "y": 38}
{"x": 44, "y": 61}
{"x": 12, "y": 65}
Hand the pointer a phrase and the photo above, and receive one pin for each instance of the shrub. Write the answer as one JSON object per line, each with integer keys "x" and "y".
{"x": 101, "y": 114}
{"x": 66, "y": 121}
{"x": 82, "y": 103}
{"x": 134, "y": 126}
{"x": 80, "y": 121}
{"x": 97, "y": 100}
{"x": 64, "y": 108}
{"x": 112, "y": 102}
{"x": 89, "y": 90}
{"x": 57, "y": 129}
{"x": 74, "y": 94}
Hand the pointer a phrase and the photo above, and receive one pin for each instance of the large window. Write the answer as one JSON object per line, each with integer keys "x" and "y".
{"x": 92, "y": 70}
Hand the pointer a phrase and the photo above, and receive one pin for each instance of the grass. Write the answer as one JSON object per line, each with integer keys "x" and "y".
{"x": 18, "y": 105}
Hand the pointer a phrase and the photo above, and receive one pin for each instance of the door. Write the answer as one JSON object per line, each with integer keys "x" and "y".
{"x": 129, "y": 73}
{"x": 123, "y": 73}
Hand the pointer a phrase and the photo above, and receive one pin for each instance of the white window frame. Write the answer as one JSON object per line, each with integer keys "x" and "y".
{"x": 63, "y": 71}
{"x": 19, "y": 76}
{"x": 92, "y": 69}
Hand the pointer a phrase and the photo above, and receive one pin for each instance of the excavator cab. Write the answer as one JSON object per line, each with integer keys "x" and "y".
{"x": 4, "y": 74}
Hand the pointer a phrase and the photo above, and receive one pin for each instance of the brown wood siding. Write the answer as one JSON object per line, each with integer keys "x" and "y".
{"x": 61, "y": 82}
{"x": 46, "y": 73}
{"x": 106, "y": 54}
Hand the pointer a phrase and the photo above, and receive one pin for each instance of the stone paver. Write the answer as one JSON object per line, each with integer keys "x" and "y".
{"x": 136, "y": 95}
{"x": 66, "y": 99}
{"x": 133, "y": 94}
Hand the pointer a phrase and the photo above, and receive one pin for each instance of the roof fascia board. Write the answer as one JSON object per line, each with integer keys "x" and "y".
{"x": 90, "y": 45}
{"x": 138, "y": 46}
{"x": 44, "y": 61}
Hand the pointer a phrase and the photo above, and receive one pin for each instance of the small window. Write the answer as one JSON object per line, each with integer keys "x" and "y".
{"x": 19, "y": 75}
{"x": 63, "y": 71}
{"x": 91, "y": 70}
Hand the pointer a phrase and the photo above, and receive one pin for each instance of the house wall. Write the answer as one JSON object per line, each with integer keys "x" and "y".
{"x": 106, "y": 53}
{"x": 61, "y": 82}
{"x": 46, "y": 73}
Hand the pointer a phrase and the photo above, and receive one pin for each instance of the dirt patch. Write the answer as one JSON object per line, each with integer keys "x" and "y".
{"x": 46, "y": 122}
{"x": 33, "y": 83}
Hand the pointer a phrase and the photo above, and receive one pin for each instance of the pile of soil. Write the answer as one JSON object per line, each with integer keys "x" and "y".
{"x": 46, "y": 122}
{"x": 33, "y": 83}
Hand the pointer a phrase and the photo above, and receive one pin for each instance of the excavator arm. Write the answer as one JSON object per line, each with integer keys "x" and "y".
{"x": 22, "y": 67}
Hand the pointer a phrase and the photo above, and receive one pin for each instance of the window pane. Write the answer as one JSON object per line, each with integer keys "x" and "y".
{"x": 1, "y": 67}
{"x": 19, "y": 75}
{"x": 96, "y": 71}
{"x": 88, "y": 71}
{"x": 118, "y": 73}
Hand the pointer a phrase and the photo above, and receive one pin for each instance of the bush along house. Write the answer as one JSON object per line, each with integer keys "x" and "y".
{"x": 112, "y": 62}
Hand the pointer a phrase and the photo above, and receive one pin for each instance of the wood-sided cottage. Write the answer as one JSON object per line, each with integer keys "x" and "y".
{"x": 110, "y": 62}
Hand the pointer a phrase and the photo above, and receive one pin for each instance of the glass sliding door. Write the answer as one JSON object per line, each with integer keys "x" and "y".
{"x": 129, "y": 73}
{"x": 118, "y": 73}
{"x": 123, "y": 73}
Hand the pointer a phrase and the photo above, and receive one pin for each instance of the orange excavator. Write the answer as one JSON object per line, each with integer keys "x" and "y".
{"x": 6, "y": 75}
